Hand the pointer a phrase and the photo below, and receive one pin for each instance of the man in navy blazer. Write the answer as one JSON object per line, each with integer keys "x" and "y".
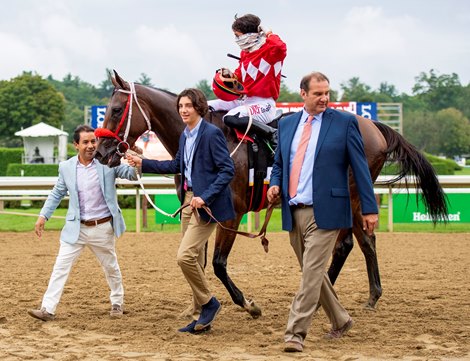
{"x": 206, "y": 171}
{"x": 316, "y": 205}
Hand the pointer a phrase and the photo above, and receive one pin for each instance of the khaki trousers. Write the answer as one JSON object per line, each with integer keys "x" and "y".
{"x": 191, "y": 255}
{"x": 313, "y": 248}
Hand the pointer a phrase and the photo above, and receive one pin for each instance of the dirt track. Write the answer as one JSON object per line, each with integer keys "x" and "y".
{"x": 424, "y": 313}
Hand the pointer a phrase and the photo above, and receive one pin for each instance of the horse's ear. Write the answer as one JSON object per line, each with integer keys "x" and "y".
{"x": 118, "y": 82}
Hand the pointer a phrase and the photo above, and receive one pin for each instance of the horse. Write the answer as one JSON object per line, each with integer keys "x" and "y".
{"x": 134, "y": 109}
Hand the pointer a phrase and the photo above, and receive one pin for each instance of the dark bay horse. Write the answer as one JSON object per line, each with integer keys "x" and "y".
{"x": 134, "y": 109}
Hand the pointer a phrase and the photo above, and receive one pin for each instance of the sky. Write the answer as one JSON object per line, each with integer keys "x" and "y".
{"x": 177, "y": 43}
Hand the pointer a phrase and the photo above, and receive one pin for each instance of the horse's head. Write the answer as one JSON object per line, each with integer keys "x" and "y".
{"x": 123, "y": 123}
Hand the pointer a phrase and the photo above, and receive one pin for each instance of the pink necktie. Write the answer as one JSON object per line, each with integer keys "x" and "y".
{"x": 299, "y": 157}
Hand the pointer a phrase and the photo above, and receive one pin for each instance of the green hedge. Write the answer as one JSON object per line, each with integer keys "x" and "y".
{"x": 32, "y": 170}
{"x": 441, "y": 166}
{"x": 7, "y": 156}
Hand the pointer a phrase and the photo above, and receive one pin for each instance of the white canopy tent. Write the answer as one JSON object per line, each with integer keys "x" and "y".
{"x": 39, "y": 143}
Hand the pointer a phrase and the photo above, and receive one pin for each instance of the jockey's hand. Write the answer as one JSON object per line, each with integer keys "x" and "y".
{"x": 369, "y": 222}
{"x": 133, "y": 160}
{"x": 263, "y": 29}
{"x": 197, "y": 202}
{"x": 39, "y": 226}
{"x": 273, "y": 194}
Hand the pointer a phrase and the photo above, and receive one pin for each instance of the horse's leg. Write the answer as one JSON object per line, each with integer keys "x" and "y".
{"x": 368, "y": 248}
{"x": 223, "y": 245}
{"x": 344, "y": 245}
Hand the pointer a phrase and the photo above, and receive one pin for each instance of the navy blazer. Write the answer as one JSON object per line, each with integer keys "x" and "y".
{"x": 212, "y": 170}
{"x": 339, "y": 146}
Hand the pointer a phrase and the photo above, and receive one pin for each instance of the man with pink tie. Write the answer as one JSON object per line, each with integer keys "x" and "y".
{"x": 317, "y": 147}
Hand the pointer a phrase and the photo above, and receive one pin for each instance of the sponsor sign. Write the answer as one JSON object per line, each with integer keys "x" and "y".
{"x": 405, "y": 209}
{"x": 97, "y": 116}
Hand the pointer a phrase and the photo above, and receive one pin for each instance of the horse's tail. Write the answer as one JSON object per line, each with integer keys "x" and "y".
{"x": 411, "y": 161}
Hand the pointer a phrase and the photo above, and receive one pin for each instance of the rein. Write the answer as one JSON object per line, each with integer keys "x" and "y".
{"x": 261, "y": 233}
{"x": 106, "y": 133}
{"x": 250, "y": 122}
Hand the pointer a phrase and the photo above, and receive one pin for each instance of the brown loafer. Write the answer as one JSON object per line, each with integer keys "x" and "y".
{"x": 293, "y": 346}
{"x": 340, "y": 332}
{"x": 41, "y": 314}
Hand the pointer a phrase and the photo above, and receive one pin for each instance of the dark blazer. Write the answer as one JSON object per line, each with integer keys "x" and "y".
{"x": 212, "y": 170}
{"x": 339, "y": 146}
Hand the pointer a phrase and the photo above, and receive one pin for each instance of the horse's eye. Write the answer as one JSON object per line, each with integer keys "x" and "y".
{"x": 116, "y": 111}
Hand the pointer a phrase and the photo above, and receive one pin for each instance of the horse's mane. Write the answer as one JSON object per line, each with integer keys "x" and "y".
{"x": 159, "y": 89}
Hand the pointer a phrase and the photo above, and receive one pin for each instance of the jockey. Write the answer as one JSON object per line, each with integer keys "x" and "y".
{"x": 259, "y": 72}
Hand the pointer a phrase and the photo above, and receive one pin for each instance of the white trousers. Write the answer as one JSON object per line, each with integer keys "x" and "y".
{"x": 101, "y": 241}
{"x": 261, "y": 109}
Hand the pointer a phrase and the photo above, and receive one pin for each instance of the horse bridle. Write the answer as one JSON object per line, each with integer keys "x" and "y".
{"x": 123, "y": 145}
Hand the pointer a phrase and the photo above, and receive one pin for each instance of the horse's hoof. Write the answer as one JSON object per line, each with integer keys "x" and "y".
{"x": 369, "y": 307}
{"x": 252, "y": 309}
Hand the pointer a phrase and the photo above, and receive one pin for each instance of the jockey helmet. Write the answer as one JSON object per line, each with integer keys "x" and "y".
{"x": 227, "y": 88}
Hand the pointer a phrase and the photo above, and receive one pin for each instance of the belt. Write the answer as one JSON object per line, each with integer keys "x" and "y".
{"x": 96, "y": 222}
{"x": 300, "y": 205}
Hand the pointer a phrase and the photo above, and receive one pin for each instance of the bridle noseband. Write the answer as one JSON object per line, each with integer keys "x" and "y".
{"x": 123, "y": 145}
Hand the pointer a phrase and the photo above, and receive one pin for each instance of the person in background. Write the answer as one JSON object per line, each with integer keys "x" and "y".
{"x": 317, "y": 147}
{"x": 93, "y": 220}
{"x": 206, "y": 170}
{"x": 252, "y": 90}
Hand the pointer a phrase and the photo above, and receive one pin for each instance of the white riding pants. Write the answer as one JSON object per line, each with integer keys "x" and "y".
{"x": 261, "y": 109}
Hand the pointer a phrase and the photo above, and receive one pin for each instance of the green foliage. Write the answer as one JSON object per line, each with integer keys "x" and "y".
{"x": 437, "y": 91}
{"x": 25, "y": 101}
{"x": 450, "y": 164}
{"x": 444, "y": 132}
{"x": 78, "y": 94}
{"x": 440, "y": 165}
{"x": 32, "y": 170}
{"x": 454, "y": 132}
{"x": 206, "y": 88}
{"x": 145, "y": 80}
{"x": 285, "y": 95}
{"x": 421, "y": 130}
{"x": 435, "y": 117}
{"x": 7, "y": 156}
{"x": 355, "y": 90}
{"x": 106, "y": 87}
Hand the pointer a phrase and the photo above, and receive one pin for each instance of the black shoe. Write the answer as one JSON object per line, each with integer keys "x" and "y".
{"x": 208, "y": 313}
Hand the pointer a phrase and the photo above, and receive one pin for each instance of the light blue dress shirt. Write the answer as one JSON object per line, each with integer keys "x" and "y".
{"x": 304, "y": 190}
{"x": 189, "y": 145}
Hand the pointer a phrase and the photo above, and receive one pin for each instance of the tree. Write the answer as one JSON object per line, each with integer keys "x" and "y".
{"x": 355, "y": 90}
{"x": 285, "y": 95}
{"x": 454, "y": 132}
{"x": 25, "y": 101}
{"x": 438, "y": 91}
{"x": 78, "y": 95}
{"x": 106, "y": 87}
{"x": 203, "y": 85}
{"x": 386, "y": 93}
{"x": 421, "y": 130}
{"x": 145, "y": 80}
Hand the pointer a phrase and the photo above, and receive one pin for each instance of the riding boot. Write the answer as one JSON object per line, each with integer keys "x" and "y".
{"x": 257, "y": 127}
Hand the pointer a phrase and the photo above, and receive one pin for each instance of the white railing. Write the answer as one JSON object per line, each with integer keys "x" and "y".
{"x": 38, "y": 188}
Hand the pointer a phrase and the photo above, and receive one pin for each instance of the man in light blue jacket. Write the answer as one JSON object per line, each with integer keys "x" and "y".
{"x": 93, "y": 219}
